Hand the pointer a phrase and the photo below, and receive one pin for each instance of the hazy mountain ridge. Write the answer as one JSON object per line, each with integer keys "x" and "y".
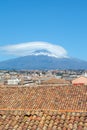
{"x": 41, "y": 62}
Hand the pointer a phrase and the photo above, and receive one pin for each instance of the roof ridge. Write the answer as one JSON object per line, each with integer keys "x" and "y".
{"x": 5, "y": 109}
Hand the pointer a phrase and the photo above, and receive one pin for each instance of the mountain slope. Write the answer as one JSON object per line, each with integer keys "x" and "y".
{"x": 42, "y": 62}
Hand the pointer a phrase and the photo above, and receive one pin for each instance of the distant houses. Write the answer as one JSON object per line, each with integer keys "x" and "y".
{"x": 80, "y": 81}
{"x": 35, "y": 78}
{"x": 15, "y": 81}
{"x": 56, "y": 81}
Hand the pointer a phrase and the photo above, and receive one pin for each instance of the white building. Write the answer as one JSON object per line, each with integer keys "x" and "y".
{"x": 13, "y": 81}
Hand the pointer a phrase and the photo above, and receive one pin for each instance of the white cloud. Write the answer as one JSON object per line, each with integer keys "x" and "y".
{"x": 30, "y": 48}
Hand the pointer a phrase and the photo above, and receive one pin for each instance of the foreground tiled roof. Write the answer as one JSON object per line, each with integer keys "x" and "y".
{"x": 56, "y": 98}
{"x": 43, "y": 108}
{"x": 42, "y": 120}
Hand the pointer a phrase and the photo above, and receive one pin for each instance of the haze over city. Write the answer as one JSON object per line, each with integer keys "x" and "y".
{"x": 59, "y": 23}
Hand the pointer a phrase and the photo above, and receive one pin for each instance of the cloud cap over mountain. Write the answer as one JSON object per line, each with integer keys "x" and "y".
{"x": 35, "y": 48}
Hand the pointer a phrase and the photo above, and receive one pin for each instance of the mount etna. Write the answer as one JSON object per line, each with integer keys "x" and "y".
{"x": 39, "y": 56}
{"x": 42, "y": 62}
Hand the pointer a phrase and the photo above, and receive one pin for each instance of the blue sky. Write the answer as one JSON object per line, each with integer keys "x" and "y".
{"x": 60, "y": 22}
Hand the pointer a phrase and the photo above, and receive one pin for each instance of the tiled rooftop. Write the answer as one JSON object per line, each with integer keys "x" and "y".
{"x": 56, "y": 98}
{"x": 42, "y": 120}
{"x": 55, "y": 81}
{"x": 43, "y": 108}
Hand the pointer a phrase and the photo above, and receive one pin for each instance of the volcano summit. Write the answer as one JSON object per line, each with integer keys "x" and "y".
{"x": 39, "y": 55}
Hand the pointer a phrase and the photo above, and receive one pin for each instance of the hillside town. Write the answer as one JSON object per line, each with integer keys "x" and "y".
{"x": 37, "y": 77}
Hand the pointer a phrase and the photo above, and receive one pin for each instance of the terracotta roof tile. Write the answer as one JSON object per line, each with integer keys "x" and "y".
{"x": 43, "y": 108}
{"x": 55, "y": 81}
{"x": 57, "y": 98}
{"x": 42, "y": 120}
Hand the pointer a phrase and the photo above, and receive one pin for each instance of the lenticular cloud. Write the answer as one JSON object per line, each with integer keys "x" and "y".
{"x": 31, "y": 48}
